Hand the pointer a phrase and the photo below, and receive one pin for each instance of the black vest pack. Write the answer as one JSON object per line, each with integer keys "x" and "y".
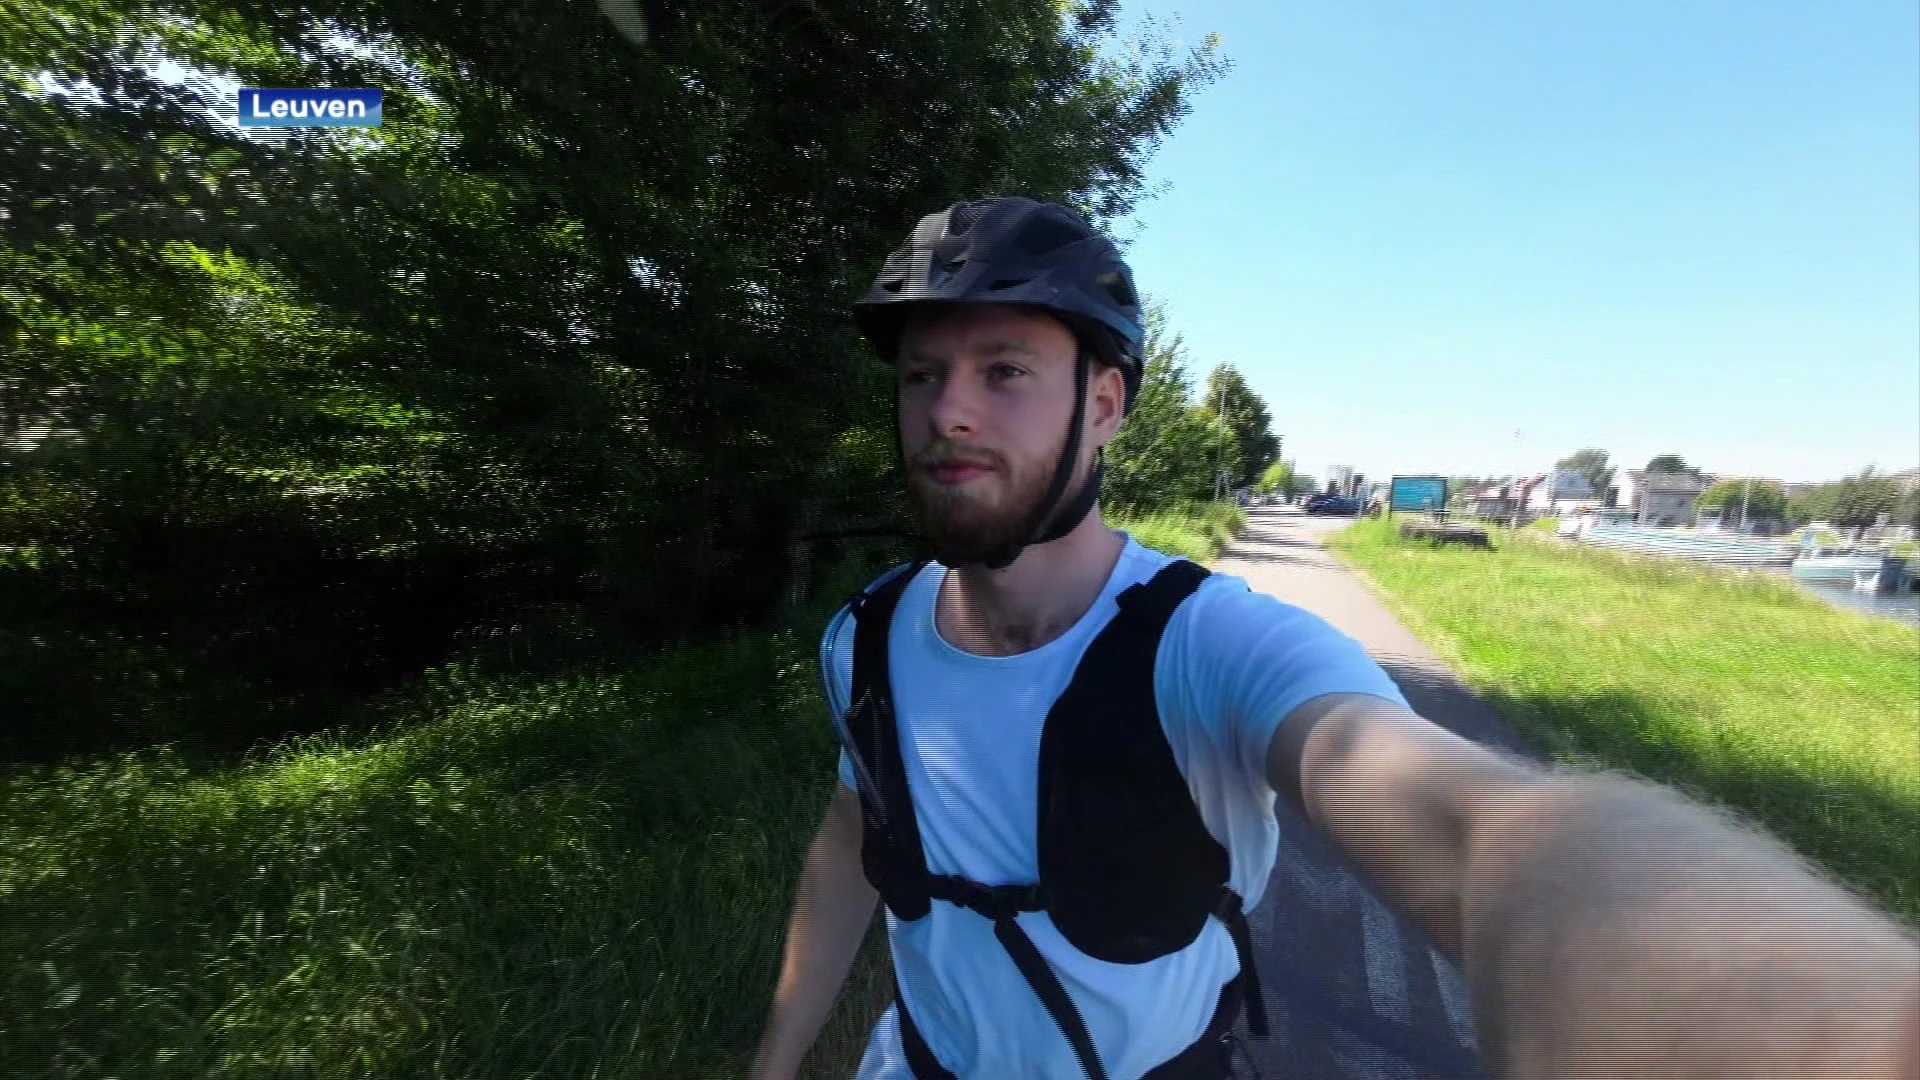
{"x": 1128, "y": 871}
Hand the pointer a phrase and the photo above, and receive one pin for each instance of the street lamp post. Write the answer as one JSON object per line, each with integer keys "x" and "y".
{"x": 1520, "y": 461}
{"x": 1220, "y": 453}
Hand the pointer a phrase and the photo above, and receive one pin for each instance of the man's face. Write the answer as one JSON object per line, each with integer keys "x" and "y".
{"x": 986, "y": 398}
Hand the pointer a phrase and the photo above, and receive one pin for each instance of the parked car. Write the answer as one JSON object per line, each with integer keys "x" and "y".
{"x": 1335, "y": 504}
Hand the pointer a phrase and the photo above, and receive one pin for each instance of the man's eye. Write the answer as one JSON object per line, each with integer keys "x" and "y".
{"x": 1006, "y": 371}
{"x": 915, "y": 378}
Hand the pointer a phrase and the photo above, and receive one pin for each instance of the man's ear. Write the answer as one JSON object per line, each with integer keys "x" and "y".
{"x": 1106, "y": 403}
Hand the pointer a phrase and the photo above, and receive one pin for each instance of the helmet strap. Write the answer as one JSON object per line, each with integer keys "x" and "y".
{"x": 1076, "y": 511}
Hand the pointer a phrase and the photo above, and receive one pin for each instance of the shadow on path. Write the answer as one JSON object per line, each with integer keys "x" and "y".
{"x": 1354, "y": 990}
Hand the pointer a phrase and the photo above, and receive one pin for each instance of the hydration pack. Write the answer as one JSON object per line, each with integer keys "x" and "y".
{"x": 1128, "y": 871}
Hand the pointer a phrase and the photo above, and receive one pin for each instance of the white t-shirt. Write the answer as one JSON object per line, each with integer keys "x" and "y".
{"x": 1231, "y": 665}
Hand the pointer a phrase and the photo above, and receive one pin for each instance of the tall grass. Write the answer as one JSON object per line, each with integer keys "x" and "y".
{"x": 586, "y": 876}
{"x": 1737, "y": 687}
{"x": 1196, "y": 530}
{"x": 580, "y": 877}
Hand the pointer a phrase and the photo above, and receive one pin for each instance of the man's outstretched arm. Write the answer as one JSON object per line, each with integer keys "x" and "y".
{"x": 1606, "y": 927}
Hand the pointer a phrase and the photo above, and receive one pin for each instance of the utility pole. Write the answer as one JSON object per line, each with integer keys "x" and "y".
{"x": 1220, "y": 454}
{"x": 1516, "y": 477}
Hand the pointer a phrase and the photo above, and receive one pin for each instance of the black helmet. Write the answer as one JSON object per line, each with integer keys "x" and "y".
{"x": 1017, "y": 251}
{"x": 1012, "y": 250}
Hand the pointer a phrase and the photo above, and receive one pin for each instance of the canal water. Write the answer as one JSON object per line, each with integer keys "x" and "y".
{"x": 1901, "y": 607}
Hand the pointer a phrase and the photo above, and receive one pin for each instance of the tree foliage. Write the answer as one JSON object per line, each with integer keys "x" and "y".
{"x": 1668, "y": 463}
{"x": 1252, "y": 445}
{"x": 560, "y": 347}
{"x": 1277, "y": 479}
{"x": 1164, "y": 452}
{"x": 1763, "y": 500}
{"x": 1855, "y": 502}
{"x": 1591, "y": 464}
{"x": 1906, "y": 509}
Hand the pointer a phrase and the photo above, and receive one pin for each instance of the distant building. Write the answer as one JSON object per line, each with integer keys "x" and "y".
{"x": 1502, "y": 499}
{"x": 1562, "y": 491}
{"x": 1663, "y": 498}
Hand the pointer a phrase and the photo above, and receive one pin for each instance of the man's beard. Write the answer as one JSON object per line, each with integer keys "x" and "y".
{"x": 973, "y": 523}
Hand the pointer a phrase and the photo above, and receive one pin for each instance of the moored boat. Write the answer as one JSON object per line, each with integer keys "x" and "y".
{"x": 1869, "y": 571}
{"x": 1720, "y": 549}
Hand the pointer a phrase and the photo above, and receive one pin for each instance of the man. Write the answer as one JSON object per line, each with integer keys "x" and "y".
{"x": 1605, "y": 927}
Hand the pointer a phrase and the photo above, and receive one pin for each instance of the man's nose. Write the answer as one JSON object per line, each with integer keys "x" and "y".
{"x": 956, "y": 404}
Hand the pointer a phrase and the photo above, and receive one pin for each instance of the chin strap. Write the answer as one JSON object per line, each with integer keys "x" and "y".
{"x": 1074, "y": 512}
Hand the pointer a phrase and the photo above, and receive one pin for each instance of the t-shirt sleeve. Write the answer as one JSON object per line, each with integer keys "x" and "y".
{"x": 836, "y": 678}
{"x": 1245, "y": 660}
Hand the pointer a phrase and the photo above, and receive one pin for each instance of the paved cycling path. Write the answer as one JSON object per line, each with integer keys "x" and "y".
{"x": 1354, "y": 991}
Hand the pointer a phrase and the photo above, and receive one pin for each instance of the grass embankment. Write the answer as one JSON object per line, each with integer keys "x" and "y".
{"x": 580, "y": 877}
{"x": 1197, "y": 531}
{"x": 584, "y": 877}
{"x": 1738, "y": 688}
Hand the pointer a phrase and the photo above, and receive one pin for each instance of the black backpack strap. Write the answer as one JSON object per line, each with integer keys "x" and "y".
{"x": 1153, "y": 601}
{"x": 890, "y": 851}
{"x": 1059, "y": 1004}
{"x": 1232, "y": 911}
{"x": 920, "y": 1059}
{"x": 1002, "y": 904}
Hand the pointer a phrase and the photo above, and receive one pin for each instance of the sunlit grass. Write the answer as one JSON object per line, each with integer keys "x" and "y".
{"x": 1197, "y": 531}
{"x": 583, "y": 877}
{"x": 1739, "y": 688}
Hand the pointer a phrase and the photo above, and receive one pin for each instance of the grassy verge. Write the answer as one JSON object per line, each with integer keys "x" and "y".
{"x": 582, "y": 877}
{"x": 1740, "y": 689}
{"x": 578, "y": 877}
{"x": 1197, "y": 531}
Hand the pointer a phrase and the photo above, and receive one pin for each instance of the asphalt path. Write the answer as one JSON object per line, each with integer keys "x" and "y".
{"x": 1354, "y": 990}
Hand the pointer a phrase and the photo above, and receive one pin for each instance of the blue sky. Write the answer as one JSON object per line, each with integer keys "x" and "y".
{"x": 1688, "y": 227}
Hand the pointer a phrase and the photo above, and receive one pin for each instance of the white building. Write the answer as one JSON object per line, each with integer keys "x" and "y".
{"x": 1561, "y": 491}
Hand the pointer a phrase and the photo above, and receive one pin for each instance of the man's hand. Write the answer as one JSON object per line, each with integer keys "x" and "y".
{"x": 1606, "y": 927}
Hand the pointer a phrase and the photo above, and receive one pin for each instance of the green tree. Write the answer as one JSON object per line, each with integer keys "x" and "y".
{"x": 1251, "y": 446}
{"x": 1765, "y": 500}
{"x": 1669, "y": 463}
{"x": 563, "y": 343}
{"x": 1164, "y": 452}
{"x": 1906, "y": 510}
{"x": 1855, "y": 502}
{"x": 1278, "y": 479}
{"x": 1457, "y": 488}
{"x": 1591, "y": 464}
{"x": 1858, "y": 501}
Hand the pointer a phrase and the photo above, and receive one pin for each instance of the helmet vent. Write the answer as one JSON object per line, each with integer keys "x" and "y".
{"x": 965, "y": 216}
{"x": 1006, "y": 283}
{"x": 1046, "y": 233}
{"x": 1116, "y": 285}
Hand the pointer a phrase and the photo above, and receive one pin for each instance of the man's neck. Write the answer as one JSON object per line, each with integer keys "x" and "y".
{"x": 1033, "y": 601}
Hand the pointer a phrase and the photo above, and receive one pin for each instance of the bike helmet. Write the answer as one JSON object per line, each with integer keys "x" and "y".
{"x": 1015, "y": 250}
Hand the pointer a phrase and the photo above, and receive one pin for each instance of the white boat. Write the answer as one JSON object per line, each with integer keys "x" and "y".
{"x": 1720, "y": 549}
{"x": 1866, "y": 570}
